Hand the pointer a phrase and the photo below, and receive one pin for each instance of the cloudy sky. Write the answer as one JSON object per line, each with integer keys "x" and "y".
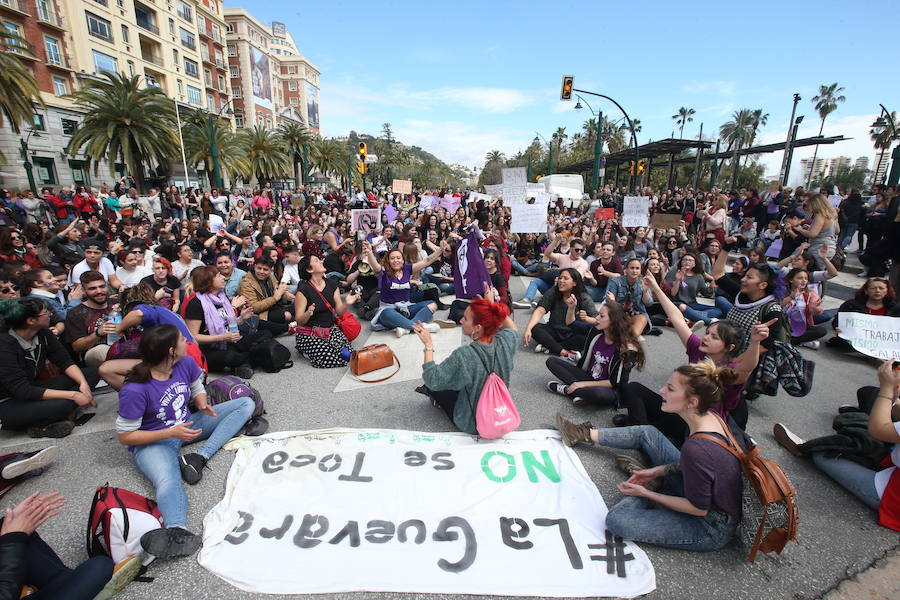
{"x": 463, "y": 78}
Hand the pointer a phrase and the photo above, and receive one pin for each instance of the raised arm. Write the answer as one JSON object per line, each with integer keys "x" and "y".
{"x": 418, "y": 266}
{"x": 672, "y": 312}
{"x": 718, "y": 268}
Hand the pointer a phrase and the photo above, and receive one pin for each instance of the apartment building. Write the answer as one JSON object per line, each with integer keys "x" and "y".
{"x": 177, "y": 45}
{"x": 271, "y": 81}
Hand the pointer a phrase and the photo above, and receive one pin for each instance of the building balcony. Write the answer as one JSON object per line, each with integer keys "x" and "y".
{"x": 220, "y": 62}
{"x": 144, "y": 25}
{"x": 150, "y": 58}
{"x": 15, "y": 6}
{"x": 218, "y": 39}
{"x": 50, "y": 20}
{"x": 59, "y": 62}
{"x": 204, "y": 32}
{"x": 204, "y": 56}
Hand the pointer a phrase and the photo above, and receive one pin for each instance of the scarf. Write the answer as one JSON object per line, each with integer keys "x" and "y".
{"x": 215, "y": 324}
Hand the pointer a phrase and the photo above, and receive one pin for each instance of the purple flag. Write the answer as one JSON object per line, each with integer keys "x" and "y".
{"x": 450, "y": 203}
{"x": 470, "y": 274}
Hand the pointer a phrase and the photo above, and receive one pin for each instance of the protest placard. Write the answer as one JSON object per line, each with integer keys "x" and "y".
{"x": 872, "y": 335}
{"x": 450, "y": 203}
{"x": 494, "y": 190}
{"x": 636, "y": 211}
{"x": 365, "y": 219}
{"x": 514, "y": 185}
{"x": 390, "y": 212}
{"x": 835, "y": 200}
{"x": 475, "y": 197}
{"x": 402, "y": 186}
{"x": 339, "y": 510}
{"x": 529, "y": 218}
{"x": 661, "y": 221}
{"x": 604, "y": 214}
{"x": 426, "y": 202}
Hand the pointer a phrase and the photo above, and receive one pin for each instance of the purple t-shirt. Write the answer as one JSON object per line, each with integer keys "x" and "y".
{"x": 601, "y": 357}
{"x": 731, "y": 396}
{"x": 395, "y": 290}
{"x": 154, "y": 315}
{"x": 712, "y": 476}
{"x": 160, "y": 404}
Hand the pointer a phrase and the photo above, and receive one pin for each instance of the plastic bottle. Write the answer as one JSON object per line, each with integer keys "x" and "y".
{"x": 114, "y": 317}
{"x": 232, "y": 323}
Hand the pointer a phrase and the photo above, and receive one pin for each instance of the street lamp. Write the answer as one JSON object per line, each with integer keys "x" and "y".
{"x": 187, "y": 177}
{"x": 881, "y": 123}
{"x": 787, "y": 145}
{"x": 598, "y": 143}
{"x": 789, "y": 150}
{"x": 214, "y": 144}
{"x": 23, "y": 150}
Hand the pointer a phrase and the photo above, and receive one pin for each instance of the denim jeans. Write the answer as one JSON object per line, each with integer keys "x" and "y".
{"x": 852, "y": 476}
{"x": 425, "y": 274}
{"x": 597, "y": 294}
{"x": 159, "y": 461}
{"x": 535, "y": 285}
{"x": 53, "y": 579}
{"x": 847, "y": 234}
{"x": 701, "y": 312}
{"x": 631, "y": 517}
{"x": 825, "y": 317}
{"x": 391, "y": 318}
{"x": 724, "y": 304}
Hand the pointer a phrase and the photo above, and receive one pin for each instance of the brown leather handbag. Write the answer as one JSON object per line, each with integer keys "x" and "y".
{"x": 371, "y": 358}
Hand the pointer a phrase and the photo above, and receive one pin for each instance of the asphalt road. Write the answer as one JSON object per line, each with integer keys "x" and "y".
{"x": 838, "y": 535}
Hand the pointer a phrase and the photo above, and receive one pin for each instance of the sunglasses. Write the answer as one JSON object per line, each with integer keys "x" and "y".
{"x": 577, "y": 249}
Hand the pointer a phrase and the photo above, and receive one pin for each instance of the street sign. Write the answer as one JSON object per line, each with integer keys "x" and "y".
{"x": 371, "y": 158}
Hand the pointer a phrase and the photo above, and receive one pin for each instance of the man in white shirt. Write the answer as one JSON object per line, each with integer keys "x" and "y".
{"x": 219, "y": 202}
{"x": 291, "y": 275}
{"x": 93, "y": 261}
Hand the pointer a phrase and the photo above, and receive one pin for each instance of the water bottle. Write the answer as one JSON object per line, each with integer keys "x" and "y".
{"x": 232, "y": 323}
{"x": 114, "y": 317}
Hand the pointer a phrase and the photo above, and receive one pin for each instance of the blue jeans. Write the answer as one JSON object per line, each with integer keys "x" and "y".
{"x": 425, "y": 274}
{"x": 701, "y": 312}
{"x": 724, "y": 304}
{"x": 536, "y": 285}
{"x": 597, "y": 294}
{"x": 53, "y": 579}
{"x": 391, "y": 318}
{"x": 631, "y": 518}
{"x": 847, "y": 234}
{"x": 825, "y": 317}
{"x": 852, "y": 476}
{"x": 159, "y": 461}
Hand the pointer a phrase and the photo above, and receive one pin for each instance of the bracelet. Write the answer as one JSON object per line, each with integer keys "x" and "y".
{"x": 891, "y": 398}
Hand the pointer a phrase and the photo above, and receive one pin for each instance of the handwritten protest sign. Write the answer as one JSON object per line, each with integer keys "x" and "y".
{"x": 426, "y": 202}
{"x": 390, "y": 212}
{"x": 365, "y": 219}
{"x": 514, "y": 185}
{"x": 475, "y": 197}
{"x": 604, "y": 214}
{"x": 661, "y": 221}
{"x": 494, "y": 190}
{"x": 450, "y": 203}
{"x": 871, "y": 334}
{"x": 529, "y": 218}
{"x": 402, "y": 186}
{"x": 635, "y": 211}
{"x": 339, "y": 510}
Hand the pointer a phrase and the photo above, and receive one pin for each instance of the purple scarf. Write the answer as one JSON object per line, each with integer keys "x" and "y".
{"x": 215, "y": 323}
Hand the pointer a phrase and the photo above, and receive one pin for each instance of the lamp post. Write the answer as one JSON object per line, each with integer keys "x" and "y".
{"x": 881, "y": 122}
{"x": 187, "y": 178}
{"x": 598, "y": 143}
{"x": 637, "y": 158}
{"x": 23, "y": 150}
{"x": 789, "y": 151}
{"x": 787, "y": 145}
{"x": 214, "y": 143}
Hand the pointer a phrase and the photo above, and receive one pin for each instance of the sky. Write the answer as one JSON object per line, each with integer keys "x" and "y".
{"x": 463, "y": 78}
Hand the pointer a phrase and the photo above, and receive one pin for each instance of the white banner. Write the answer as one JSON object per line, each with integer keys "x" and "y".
{"x": 494, "y": 190}
{"x": 475, "y": 197}
{"x": 530, "y": 218}
{"x": 636, "y": 211}
{"x": 872, "y": 335}
{"x": 343, "y": 510}
{"x": 515, "y": 181}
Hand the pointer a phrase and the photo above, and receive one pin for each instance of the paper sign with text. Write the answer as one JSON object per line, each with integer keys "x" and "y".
{"x": 343, "y": 510}
{"x": 426, "y": 202}
{"x": 872, "y": 335}
{"x": 365, "y": 219}
{"x": 494, "y": 190}
{"x": 450, "y": 203}
{"x": 529, "y": 218}
{"x": 604, "y": 214}
{"x": 515, "y": 182}
{"x": 402, "y": 186}
{"x": 636, "y": 211}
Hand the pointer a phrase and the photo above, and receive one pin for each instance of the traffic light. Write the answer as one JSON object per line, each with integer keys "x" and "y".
{"x": 631, "y": 168}
{"x": 361, "y": 149}
{"x": 640, "y": 167}
{"x": 567, "y": 83}
{"x": 361, "y": 167}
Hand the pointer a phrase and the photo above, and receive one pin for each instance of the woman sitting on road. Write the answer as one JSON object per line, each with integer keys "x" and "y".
{"x": 455, "y": 384}
{"x": 165, "y": 286}
{"x": 564, "y": 301}
{"x": 702, "y": 506}
{"x": 687, "y": 281}
{"x": 626, "y": 289}
{"x": 317, "y": 304}
{"x": 155, "y": 421}
{"x": 610, "y": 352}
{"x": 802, "y": 305}
{"x": 875, "y": 297}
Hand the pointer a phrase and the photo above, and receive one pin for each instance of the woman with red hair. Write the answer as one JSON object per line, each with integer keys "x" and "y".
{"x": 165, "y": 286}
{"x": 455, "y": 384}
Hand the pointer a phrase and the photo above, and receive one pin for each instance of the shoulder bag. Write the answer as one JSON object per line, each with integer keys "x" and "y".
{"x": 346, "y": 322}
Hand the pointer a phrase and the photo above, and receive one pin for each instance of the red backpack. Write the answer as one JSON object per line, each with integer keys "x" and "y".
{"x": 117, "y": 520}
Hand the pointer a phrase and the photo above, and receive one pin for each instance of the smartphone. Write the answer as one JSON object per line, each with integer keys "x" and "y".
{"x": 168, "y": 290}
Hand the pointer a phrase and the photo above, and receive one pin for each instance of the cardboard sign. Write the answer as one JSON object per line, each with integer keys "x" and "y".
{"x": 402, "y": 186}
{"x": 661, "y": 221}
{"x": 636, "y": 211}
{"x": 604, "y": 214}
{"x": 871, "y": 334}
{"x": 529, "y": 218}
{"x": 365, "y": 219}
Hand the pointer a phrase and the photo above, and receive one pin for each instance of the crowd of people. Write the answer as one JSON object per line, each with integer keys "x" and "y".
{"x": 147, "y": 294}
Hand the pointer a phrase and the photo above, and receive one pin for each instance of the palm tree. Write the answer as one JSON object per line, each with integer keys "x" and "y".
{"x": 684, "y": 116}
{"x": 267, "y": 154}
{"x": 882, "y": 137}
{"x": 18, "y": 89}
{"x": 297, "y": 139}
{"x": 124, "y": 120}
{"x": 494, "y": 155}
{"x": 558, "y": 136}
{"x": 826, "y": 103}
{"x": 736, "y": 132}
{"x": 590, "y": 132}
{"x": 757, "y": 119}
{"x": 198, "y": 137}
{"x": 331, "y": 157}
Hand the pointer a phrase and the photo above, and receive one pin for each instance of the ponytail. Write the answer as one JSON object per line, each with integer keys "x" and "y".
{"x": 706, "y": 382}
{"x": 156, "y": 344}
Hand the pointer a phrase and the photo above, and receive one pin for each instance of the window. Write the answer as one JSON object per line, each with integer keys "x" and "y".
{"x": 120, "y": 3}
{"x": 44, "y": 11}
{"x": 130, "y": 65}
{"x": 79, "y": 175}
{"x": 101, "y": 2}
{"x": 125, "y": 34}
{"x": 232, "y": 51}
{"x": 229, "y": 28}
{"x": 175, "y": 57}
{"x": 69, "y": 126}
{"x": 14, "y": 29}
{"x": 60, "y": 87}
{"x": 184, "y": 11}
{"x": 39, "y": 123}
{"x": 104, "y": 62}
{"x": 236, "y": 92}
{"x": 193, "y": 94}
{"x": 151, "y": 80}
{"x": 187, "y": 38}
{"x": 180, "y": 88}
{"x": 171, "y": 26}
{"x": 292, "y": 86}
{"x": 295, "y": 101}
{"x": 239, "y": 121}
{"x": 207, "y": 77}
{"x": 45, "y": 169}
{"x": 190, "y": 68}
{"x": 233, "y": 71}
{"x": 51, "y": 46}
{"x": 98, "y": 27}
{"x": 221, "y": 83}
{"x": 292, "y": 70}
{"x": 144, "y": 17}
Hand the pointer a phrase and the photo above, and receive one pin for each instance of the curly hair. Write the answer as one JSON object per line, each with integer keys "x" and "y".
{"x": 620, "y": 334}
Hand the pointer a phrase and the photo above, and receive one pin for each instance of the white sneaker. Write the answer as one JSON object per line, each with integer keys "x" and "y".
{"x": 400, "y": 331}
{"x": 540, "y": 350}
{"x": 573, "y": 356}
{"x": 432, "y": 327}
{"x": 813, "y": 344}
{"x": 699, "y": 325}
{"x": 522, "y": 304}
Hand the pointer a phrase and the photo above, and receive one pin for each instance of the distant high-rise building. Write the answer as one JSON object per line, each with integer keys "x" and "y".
{"x": 882, "y": 160}
{"x": 862, "y": 163}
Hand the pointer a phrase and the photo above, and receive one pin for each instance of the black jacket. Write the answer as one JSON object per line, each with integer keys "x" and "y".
{"x": 892, "y": 308}
{"x": 18, "y": 372}
{"x": 619, "y": 367}
{"x": 12, "y": 564}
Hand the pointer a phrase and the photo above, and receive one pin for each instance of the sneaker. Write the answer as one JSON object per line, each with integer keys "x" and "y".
{"x": 59, "y": 429}
{"x": 538, "y": 349}
{"x": 572, "y": 356}
{"x": 863, "y": 274}
{"x": 522, "y": 304}
{"x": 698, "y": 326}
{"x": 21, "y": 463}
{"x": 557, "y": 387}
{"x": 432, "y": 327}
{"x": 170, "y": 542}
{"x": 849, "y": 408}
{"x": 192, "y": 467}
{"x": 422, "y": 389}
{"x": 579, "y": 401}
{"x": 123, "y": 574}
{"x": 629, "y": 464}
{"x": 655, "y": 331}
{"x": 573, "y": 433}
{"x": 789, "y": 440}
{"x": 445, "y": 324}
{"x": 620, "y": 420}
{"x": 814, "y": 345}
{"x": 244, "y": 371}
{"x": 400, "y": 331}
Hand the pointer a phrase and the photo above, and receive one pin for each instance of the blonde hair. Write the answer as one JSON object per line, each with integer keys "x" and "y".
{"x": 819, "y": 205}
{"x": 706, "y": 382}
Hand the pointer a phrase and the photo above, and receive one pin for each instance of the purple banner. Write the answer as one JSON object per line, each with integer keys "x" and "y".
{"x": 470, "y": 274}
{"x": 450, "y": 203}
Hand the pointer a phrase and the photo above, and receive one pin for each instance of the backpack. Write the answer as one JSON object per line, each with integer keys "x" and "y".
{"x": 230, "y": 388}
{"x": 769, "y": 514}
{"x": 117, "y": 520}
{"x": 270, "y": 355}
{"x": 496, "y": 413}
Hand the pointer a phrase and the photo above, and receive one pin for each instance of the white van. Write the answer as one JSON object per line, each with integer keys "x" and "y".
{"x": 565, "y": 185}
